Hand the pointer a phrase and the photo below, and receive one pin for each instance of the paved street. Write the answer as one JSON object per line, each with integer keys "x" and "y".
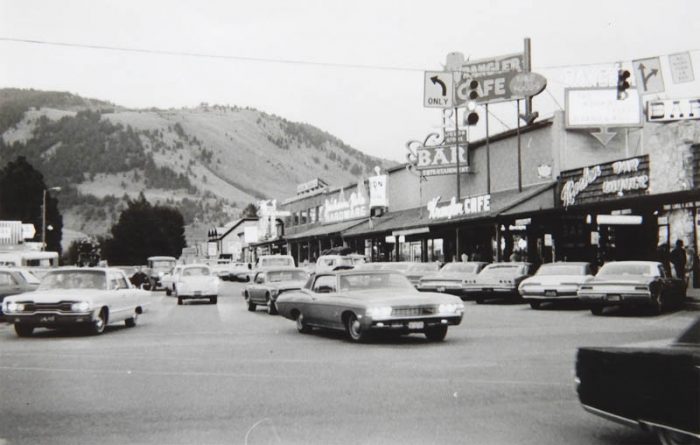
{"x": 204, "y": 374}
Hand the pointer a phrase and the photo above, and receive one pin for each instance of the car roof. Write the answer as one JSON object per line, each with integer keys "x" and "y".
{"x": 281, "y": 269}
{"x": 639, "y": 263}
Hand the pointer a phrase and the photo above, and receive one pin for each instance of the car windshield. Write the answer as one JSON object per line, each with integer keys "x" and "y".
{"x": 287, "y": 275}
{"x": 561, "y": 269}
{"x": 195, "y": 271}
{"x": 612, "y": 269}
{"x": 459, "y": 268}
{"x": 162, "y": 264}
{"x": 74, "y": 279}
{"x": 368, "y": 281}
{"x": 503, "y": 270}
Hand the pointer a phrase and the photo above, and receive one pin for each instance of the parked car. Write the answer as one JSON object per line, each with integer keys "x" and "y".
{"x": 16, "y": 280}
{"x": 77, "y": 296}
{"x": 452, "y": 278}
{"x": 242, "y": 272}
{"x": 656, "y": 387}
{"x": 267, "y": 261}
{"x": 416, "y": 271}
{"x": 196, "y": 281}
{"x": 555, "y": 282}
{"x": 157, "y": 267}
{"x": 326, "y": 263}
{"x": 498, "y": 280}
{"x": 269, "y": 284}
{"x": 632, "y": 283}
{"x": 360, "y": 302}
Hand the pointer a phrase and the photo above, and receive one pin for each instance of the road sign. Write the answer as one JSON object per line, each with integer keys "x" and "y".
{"x": 681, "y": 67}
{"x": 648, "y": 75}
{"x": 439, "y": 89}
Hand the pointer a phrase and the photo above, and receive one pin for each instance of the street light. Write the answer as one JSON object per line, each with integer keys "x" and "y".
{"x": 43, "y": 215}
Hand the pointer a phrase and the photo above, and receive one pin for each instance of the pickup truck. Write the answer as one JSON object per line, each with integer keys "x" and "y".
{"x": 656, "y": 388}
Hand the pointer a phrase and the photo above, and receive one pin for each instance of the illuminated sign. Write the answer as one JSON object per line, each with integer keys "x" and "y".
{"x": 341, "y": 208}
{"x": 599, "y": 107}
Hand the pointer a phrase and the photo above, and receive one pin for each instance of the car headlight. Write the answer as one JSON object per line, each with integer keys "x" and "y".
{"x": 14, "y": 307}
{"x": 81, "y": 306}
{"x": 274, "y": 292}
{"x": 379, "y": 312}
{"x": 450, "y": 308}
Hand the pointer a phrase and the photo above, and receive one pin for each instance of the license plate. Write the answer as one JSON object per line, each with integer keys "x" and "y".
{"x": 487, "y": 289}
{"x": 47, "y": 319}
{"x": 198, "y": 293}
{"x": 613, "y": 298}
{"x": 441, "y": 289}
{"x": 550, "y": 293}
{"x": 415, "y": 325}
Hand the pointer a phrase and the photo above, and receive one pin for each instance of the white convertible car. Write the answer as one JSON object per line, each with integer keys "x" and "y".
{"x": 77, "y": 296}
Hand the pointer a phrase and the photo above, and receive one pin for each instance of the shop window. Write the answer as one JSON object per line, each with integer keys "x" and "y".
{"x": 435, "y": 250}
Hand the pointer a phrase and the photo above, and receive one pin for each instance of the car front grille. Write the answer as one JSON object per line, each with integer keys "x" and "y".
{"x": 63, "y": 306}
{"x": 412, "y": 311}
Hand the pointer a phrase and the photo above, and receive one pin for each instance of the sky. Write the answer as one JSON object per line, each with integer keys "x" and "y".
{"x": 352, "y": 68}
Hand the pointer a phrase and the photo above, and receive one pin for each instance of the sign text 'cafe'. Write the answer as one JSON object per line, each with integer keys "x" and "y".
{"x": 468, "y": 206}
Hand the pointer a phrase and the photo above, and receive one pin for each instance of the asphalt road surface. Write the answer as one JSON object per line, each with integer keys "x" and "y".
{"x": 218, "y": 374}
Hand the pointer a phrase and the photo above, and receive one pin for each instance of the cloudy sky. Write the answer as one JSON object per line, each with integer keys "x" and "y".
{"x": 352, "y": 68}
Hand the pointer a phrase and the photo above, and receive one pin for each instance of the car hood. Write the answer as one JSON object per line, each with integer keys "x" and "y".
{"x": 396, "y": 297}
{"x": 556, "y": 279}
{"x": 55, "y": 295}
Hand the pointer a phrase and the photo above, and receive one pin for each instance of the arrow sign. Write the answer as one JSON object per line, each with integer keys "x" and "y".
{"x": 648, "y": 75}
{"x": 604, "y": 135}
{"x": 436, "y": 80}
{"x": 438, "y": 89}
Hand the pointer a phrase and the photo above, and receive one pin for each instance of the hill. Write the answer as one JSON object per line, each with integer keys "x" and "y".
{"x": 209, "y": 161}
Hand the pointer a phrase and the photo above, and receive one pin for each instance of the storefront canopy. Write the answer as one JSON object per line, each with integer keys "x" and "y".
{"x": 325, "y": 230}
{"x": 508, "y": 202}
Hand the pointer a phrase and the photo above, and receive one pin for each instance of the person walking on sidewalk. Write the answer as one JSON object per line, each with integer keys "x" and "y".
{"x": 678, "y": 259}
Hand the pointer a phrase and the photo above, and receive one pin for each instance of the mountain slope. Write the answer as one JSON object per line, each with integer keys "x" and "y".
{"x": 210, "y": 161}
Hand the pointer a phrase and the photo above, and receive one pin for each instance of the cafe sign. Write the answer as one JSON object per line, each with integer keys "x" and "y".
{"x": 627, "y": 177}
{"x": 455, "y": 209}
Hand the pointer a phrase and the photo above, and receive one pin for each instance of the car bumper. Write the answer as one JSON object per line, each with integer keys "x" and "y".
{"x": 51, "y": 319}
{"x": 191, "y": 296}
{"x": 410, "y": 324}
{"x": 615, "y": 298}
{"x": 541, "y": 295}
{"x": 447, "y": 289}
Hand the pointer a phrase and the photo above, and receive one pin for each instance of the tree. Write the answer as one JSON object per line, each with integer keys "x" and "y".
{"x": 21, "y": 198}
{"x": 250, "y": 211}
{"x": 144, "y": 230}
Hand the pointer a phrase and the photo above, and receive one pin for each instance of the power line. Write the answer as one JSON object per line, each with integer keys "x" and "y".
{"x": 210, "y": 56}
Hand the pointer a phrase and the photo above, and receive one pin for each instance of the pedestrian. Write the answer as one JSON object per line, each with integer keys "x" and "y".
{"x": 465, "y": 258}
{"x": 679, "y": 259}
{"x": 663, "y": 256}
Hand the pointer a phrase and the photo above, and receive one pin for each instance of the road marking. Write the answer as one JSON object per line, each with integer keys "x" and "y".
{"x": 158, "y": 373}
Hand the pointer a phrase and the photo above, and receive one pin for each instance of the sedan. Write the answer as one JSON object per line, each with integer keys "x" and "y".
{"x": 90, "y": 298}
{"x": 359, "y": 302}
{"x": 498, "y": 280}
{"x": 453, "y": 278}
{"x": 269, "y": 284}
{"x": 416, "y": 271}
{"x": 555, "y": 282}
{"x": 632, "y": 283}
{"x": 196, "y": 281}
{"x": 655, "y": 387}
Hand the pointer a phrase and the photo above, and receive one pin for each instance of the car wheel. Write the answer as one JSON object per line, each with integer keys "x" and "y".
{"x": 251, "y": 305}
{"x": 213, "y": 300}
{"x": 301, "y": 326}
{"x": 479, "y": 300}
{"x": 354, "y": 329}
{"x": 668, "y": 437}
{"x": 131, "y": 322}
{"x": 271, "y": 307}
{"x": 23, "y": 330}
{"x": 535, "y": 304}
{"x": 597, "y": 310}
{"x": 168, "y": 292}
{"x": 98, "y": 325}
{"x": 436, "y": 333}
{"x": 179, "y": 300}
